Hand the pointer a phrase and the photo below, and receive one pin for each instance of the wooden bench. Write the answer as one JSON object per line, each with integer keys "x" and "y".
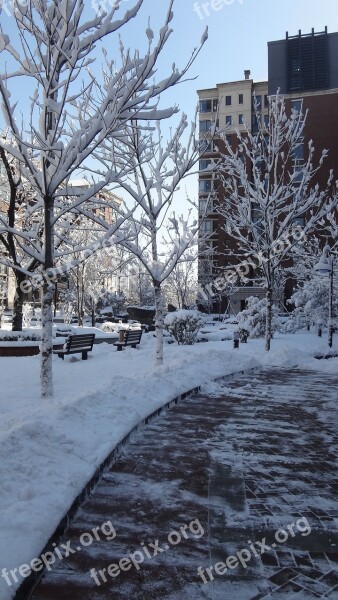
{"x": 132, "y": 337}
{"x": 77, "y": 343}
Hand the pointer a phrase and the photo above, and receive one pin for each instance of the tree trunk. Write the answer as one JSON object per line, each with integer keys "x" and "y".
{"x": 268, "y": 322}
{"x": 18, "y": 302}
{"x": 158, "y": 324}
{"x": 93, "y": 317}
{"x": 46, "y": 372}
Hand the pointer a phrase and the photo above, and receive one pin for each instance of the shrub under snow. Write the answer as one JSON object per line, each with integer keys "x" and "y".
{"x": 183, "y": 325}
{"x": 253, "y": 317}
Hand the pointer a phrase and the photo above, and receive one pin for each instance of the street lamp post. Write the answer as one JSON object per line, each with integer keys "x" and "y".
{"x": 325, "y": 267}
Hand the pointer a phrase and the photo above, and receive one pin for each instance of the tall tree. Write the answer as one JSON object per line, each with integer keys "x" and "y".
{"x": 268, "y": 192}
{"x": 160, "y": 239}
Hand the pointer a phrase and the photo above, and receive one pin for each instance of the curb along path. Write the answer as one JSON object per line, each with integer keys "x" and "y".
{"x": 202, "y": 486}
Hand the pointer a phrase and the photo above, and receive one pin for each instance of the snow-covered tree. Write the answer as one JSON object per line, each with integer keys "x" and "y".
{"x": 141, "y": 291}
{"x": 310, "y": 297}
{"x": 16, "y": 200}
{"x": 159, "y": 241}
{"x": 311, "y": 301}
{"x": 71, "y": 112}
{"x": 181, "y": 285}
{"x": 270, "y": 200}
{"x": 114, "y": 301}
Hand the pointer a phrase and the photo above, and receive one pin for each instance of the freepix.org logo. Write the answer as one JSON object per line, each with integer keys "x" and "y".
{"x": 204, "y": 9}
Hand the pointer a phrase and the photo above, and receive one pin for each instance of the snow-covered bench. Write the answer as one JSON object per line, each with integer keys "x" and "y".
{"x": 132, "y": 337}
{"x": 77, "y": 343}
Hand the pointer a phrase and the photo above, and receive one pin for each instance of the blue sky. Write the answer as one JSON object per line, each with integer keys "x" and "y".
{"x": 238, "y": 36}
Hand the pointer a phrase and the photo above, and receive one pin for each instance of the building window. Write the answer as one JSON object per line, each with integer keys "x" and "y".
{"x": 240, "y": 99}
{"x": 205, "y": 126}
{"x": 266, "y": 121}
{"x": 205, "y": 105}
{"x": 205, "y": 185}
{"x": 298, "y": 153}
{"x": 255, "y": 122}
{"x": 204, "y": 164}
{"x": 296, "y": 105}
{"x": 207, "y": 226}
{"x": 205, "y": 205}
{"x": 240, "y": 119}
{"x": 228, "y": 120}
{"x": 299, "y": 221}
{"x": 257, "y": 102}
{"x": 228, "y": 100}
{"x": 298, "y": 170}
{"x": 266, "y": 101}
{"x": 208, "y": 105}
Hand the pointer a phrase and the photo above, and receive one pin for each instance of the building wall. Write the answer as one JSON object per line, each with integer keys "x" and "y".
{"x": 278, "y": 68}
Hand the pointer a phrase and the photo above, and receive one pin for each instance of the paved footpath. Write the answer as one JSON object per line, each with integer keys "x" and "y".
{"x": 243, "y": 480}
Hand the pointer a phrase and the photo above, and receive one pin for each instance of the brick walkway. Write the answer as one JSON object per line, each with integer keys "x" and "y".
{"x": 233, "y": 468}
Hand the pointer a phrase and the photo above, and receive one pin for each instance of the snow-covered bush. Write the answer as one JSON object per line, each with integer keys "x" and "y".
{"x": 296, "y": 322}
{"x": 108, "y": 327}
{"x": 183, "y": 325}
{"x": 253, "y": 318}
{"x": 19, "y": 336}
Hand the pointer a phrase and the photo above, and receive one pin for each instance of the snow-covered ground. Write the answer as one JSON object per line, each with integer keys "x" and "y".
{"x": 50, "y": 449}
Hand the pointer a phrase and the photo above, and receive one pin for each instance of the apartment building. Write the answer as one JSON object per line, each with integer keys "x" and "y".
{"x": 304, "y": 68}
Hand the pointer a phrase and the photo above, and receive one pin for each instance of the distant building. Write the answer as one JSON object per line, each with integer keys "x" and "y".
{"x": 305, "y": 70}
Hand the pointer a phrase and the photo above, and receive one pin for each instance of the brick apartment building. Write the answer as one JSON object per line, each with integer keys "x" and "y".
{"x": 304, "y": 68}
